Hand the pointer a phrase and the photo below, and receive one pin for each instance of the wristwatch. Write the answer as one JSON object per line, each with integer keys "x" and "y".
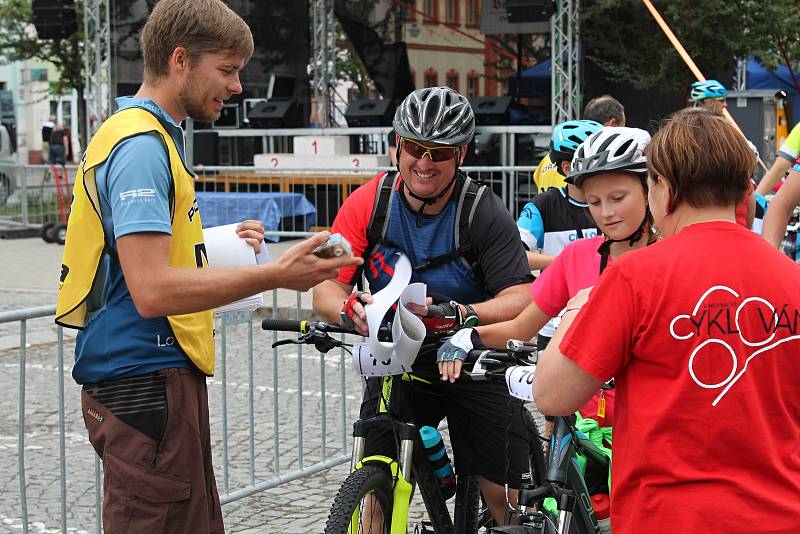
{"x": 471, "y": 320}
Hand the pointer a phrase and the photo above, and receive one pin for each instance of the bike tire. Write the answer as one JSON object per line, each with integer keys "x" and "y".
{"x": 469, "y": 507}
{"x": 371, "y": 479}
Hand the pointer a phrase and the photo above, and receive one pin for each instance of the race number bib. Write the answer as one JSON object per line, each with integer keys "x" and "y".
{"x": 519, "y": 380}
{"x": 366, "y": 364}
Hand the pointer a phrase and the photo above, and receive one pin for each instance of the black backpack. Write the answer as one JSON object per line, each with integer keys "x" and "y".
{"x": 468, "y": 192}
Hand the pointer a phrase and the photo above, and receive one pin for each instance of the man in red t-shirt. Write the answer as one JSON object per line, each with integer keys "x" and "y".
{"x": 703, "y": 347}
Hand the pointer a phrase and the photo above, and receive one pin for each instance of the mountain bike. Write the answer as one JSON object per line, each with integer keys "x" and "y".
{"x": 381, "y": 486}
{"x": 564, "y": 479}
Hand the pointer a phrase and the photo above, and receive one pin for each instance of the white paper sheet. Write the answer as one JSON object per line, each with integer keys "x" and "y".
{"x": 382, "y": 358}
{"x": 382, "y": 301}
{"x": 224, "y": 248}
{"x": 408, "y": 330}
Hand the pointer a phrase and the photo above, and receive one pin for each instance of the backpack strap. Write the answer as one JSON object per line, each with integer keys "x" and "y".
{"x": 471, "y": 194}
{"x": 378, "y": 222}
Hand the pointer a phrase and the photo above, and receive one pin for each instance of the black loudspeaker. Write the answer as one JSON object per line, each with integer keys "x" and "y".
{"x": 378, "y": 112}
{"x": 529, "y": 10}
{"x": 206, "y": 148}
{"x": 276, "y": 114}
{"x": 490, "y": 110}
{"x": 228, "y": 117}
{"x": 54, "y": 19}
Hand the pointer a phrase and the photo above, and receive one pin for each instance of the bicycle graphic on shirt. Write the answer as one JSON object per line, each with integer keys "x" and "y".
{"x": 761, "y": 346}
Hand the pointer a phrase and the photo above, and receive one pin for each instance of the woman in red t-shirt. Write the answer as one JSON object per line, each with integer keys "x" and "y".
{"x": 703, "y": 348}
{"x": 616, "y": 191}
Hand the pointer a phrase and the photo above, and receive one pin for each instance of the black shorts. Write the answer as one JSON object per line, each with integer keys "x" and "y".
{"x": 487, "y": 433}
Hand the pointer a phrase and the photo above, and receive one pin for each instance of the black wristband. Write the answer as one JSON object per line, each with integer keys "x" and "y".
{"x": 471, "y": 320}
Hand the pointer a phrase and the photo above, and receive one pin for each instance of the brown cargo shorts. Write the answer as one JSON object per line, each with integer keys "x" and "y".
{"x": 152, "y": 434}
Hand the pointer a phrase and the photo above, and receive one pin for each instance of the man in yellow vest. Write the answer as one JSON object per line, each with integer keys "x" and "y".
{"x": 134, "y": 277}
{"x": 604, "y": 109}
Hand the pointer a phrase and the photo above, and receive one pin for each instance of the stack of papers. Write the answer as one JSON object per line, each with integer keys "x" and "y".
{"x": 225, "y": 248}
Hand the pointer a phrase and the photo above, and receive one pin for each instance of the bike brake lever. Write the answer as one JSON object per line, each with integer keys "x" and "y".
{"x": 286, "y": 342}
{"x": 491, "y": 364}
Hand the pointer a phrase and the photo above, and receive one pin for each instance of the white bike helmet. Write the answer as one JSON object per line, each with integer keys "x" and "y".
{"x": 610, "y": 149}
{"x": 437, "y": 115}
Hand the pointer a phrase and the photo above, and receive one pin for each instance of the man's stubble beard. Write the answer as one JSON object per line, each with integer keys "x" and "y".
{"x": 192, "y": 103}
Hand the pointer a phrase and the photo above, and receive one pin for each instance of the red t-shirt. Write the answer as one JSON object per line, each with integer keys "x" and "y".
{"x": 352, "y": 221}
{"x": 707, "y": 429}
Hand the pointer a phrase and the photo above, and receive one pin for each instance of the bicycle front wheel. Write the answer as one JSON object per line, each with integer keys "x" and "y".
{"x": 363, "y": 503}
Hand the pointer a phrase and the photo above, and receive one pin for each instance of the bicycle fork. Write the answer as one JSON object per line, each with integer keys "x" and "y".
{"x": 399, "y": 470}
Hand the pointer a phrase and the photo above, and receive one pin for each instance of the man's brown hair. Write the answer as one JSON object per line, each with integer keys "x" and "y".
{"x": 199, "y": 26}
{"x": 702, "y": 156}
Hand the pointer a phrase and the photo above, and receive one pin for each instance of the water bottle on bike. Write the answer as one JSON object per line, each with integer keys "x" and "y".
{"x": 440, "y": 462}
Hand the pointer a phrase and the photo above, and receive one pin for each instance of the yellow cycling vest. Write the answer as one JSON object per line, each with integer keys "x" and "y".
{"x": 547, "y": 177}
{"x": 86, "y": 239}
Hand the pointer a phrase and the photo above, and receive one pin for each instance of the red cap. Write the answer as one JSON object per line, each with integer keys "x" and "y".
{"x": 601, "y": 503}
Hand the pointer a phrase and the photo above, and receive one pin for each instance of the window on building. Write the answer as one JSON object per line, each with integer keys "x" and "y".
{"x": 452, "y": 79}
{"x": 473, "y": 84}
{"x": 473, "y": 16}
{"x": 431, "y": 78}
{"x": 38, "y": 75}
{"x": 429, "y": 8}
{"x": 451, "y": 11}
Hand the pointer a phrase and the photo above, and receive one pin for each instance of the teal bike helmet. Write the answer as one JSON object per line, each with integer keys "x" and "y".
{"x": 568, "y": 136}
{"x": 709, "y": 89}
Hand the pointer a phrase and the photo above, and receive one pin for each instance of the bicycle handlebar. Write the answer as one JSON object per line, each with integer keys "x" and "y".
{"x": 303, "y": 327}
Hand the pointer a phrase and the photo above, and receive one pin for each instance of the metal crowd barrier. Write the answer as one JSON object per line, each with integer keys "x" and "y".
{"x": 28, "y": 194}
{"x": 299, "y": 200}
{"x": 323, "y": 190}
{"x": 276, "y": 415}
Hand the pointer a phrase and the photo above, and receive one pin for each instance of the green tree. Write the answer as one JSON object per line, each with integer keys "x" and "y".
{"x": 623, "y": 39}
{"x": 349, "y": 66}
{"x": 19, "y": 42}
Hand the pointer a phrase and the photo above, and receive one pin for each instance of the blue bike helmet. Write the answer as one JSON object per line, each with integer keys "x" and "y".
{"x": 709, "y": 89}
{"x": 568, "y": 136}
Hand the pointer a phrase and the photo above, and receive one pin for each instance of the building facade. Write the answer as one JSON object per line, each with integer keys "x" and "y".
{"x": 31, "y": 86}
{"x": 445, "y": 47}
